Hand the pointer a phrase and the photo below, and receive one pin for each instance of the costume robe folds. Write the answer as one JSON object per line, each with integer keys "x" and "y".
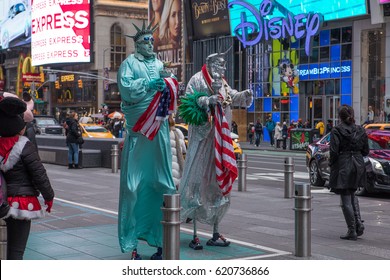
{"x": 200, "y": 196}
{"x": 145, "y": 165}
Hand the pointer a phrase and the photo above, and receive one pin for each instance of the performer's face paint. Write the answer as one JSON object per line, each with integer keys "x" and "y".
{"x": 145, "y": 45}
{"x": 218, "y": 67}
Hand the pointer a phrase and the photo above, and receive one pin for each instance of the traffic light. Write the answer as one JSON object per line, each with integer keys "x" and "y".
{"x": 80, "y": 83}
{"x": 57, "y": 84}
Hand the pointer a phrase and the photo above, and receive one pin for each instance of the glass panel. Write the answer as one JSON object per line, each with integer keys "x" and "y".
{"x": 276, "y": 104}
{"x": 346, "y": 51}
{"x": 317, "y": 108}
{"x": 335, "y": 36}
{"x": 314, "y": 55}
{"x": 303, "y": 58}
{"x": 324, "y": 54}
{"x": 346, "y": 33}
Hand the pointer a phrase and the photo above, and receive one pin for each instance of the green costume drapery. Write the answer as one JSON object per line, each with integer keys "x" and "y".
{"x": 145, "y": 165}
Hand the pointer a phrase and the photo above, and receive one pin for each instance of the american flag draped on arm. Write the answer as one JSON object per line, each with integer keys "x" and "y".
{"x": 163, "y": 104}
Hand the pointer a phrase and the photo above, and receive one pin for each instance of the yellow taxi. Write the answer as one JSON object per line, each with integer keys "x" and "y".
{"x": 90, "y": 130}
{"x": 237, "y": 148}
{"x": 380, "y": 126}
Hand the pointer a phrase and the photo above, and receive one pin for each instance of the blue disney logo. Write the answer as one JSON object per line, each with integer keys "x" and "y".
{"x": 299, "y": 26}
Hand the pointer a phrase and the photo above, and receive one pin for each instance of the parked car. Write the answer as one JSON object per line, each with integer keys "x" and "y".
{"x": 237, "y": 148}
{"x": 16, "y": 23}
{"x": 380, "y": 136}
{"x": 48, "y": 125}
{"x": 377, "y": 165}
{"x": 95, "y": 131}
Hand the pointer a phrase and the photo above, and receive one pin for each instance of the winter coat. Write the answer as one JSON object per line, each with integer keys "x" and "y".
{"x": 348, "y": 145}
{"x": 258, "y": 128}
{"x": 278, "y": 132}
{"x": 178, "y": 148}
{"x": 284, "y": 131}
{"x": 270, "y": 125}
{"x": 24, "y": 172}
{"x": 74, "y": 131}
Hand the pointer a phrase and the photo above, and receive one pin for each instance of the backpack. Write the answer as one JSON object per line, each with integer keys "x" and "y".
{"x": 253, "y": 129}
{"x": 4, "y": 207}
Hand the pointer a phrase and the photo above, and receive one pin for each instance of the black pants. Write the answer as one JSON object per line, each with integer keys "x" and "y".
{"x": 18, "y": 232}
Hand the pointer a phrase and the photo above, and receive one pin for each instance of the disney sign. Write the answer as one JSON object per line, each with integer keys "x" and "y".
{"x": 301, "y": 25}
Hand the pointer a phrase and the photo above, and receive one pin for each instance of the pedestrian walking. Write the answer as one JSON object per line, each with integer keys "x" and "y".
{"x": 258, "y": 132}
{"x": 284, "y": 135}
{"x": 278, "y": 135}
{"x": 24, "y": 174}
{"x": 329, "y": 126}
{"x": 146, "y": 162}
{"x": 73, "y": 140}
{"x": 348, "y": 145}
{"x": 234, "y": 127}
{"x": 270, "y": 125}
{"x": 251, "y": 132}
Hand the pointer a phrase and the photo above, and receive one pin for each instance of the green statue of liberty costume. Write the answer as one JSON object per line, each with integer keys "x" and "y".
{"x": 145, "y": 164}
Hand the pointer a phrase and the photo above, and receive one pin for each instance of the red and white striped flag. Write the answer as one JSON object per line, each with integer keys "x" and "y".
{"x": 225, "y": 160}
{"x": 163, "y": 103}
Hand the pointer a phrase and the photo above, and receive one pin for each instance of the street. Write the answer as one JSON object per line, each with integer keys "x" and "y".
{"x": 259, "y": 218}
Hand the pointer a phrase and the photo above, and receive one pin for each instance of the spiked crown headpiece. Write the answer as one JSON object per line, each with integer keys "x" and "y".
{"x": 219, "y": 54}
{"x": 145, "y": 30}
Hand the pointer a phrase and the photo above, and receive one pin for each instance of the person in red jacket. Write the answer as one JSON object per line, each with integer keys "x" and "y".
{"x": 24, "y": 174}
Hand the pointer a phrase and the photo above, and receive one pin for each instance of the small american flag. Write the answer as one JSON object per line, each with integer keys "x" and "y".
{"x": 225, "y": 160}
{"x": 163, "y": 104}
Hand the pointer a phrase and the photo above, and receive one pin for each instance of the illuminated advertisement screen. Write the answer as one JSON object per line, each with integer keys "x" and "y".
{"x": 15, "y": 23}
{"x": 330, "y": 9}
{"x": 60, "y": 31}
{"x": 384, "y": 1}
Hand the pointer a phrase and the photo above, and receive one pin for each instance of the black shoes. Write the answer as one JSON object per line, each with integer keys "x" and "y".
{"x": 195, "y": 244}
{"x": 218, "y": 240}
{"x": 351, "y": 235}
{"x": 157, "y": 255}
{"x": 70, "y": 166}
{"x": 135, "y": 255}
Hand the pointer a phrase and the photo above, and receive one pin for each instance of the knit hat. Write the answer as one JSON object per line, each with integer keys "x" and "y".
{"x": 27, "y": 115}
{"x": 11, "y": 118}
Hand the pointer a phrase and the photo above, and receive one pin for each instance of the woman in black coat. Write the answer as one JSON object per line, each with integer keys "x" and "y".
{"x": 73, "y": 140}
{"x": 348, "y": 145}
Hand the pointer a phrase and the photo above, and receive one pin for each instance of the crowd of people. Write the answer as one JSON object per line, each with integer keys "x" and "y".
{"x": 279, "y": 132}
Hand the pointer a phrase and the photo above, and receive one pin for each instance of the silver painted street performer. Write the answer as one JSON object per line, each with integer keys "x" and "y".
{"x": 210, "y": 166}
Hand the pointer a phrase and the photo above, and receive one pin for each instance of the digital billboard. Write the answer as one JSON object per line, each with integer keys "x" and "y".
{"x": 15, "y": 23}
{"x": 384, "y": 1}
{"x": 60, "y": 31}
{"x": 330, "y": 9}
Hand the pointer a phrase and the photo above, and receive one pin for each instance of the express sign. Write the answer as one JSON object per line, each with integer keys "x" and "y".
{"x": 60, "y": 31}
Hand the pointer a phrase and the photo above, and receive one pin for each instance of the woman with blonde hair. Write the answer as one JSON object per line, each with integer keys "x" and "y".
{"x": 170, "y": 24}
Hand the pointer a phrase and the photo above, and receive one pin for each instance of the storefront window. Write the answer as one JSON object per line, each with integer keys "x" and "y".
{"x": 373, "y": 80}
{"x": 294, "y": 85}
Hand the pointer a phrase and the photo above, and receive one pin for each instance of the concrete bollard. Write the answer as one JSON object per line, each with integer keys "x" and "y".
{"x": 288, "y": 177}
{"x": 3, "y": 240}
{"x": 114, "y": 158}
{"x": 171, "y": 227}
{"x": 242, "y": 166}
{"x": 302, "y": 220}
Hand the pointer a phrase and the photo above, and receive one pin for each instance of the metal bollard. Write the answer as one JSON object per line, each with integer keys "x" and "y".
{"x": 171, "y": 227}
{"x": 302, "y": 220}
{"x": 241, "y": 165}
{"x": 114, "y": 158}
{"x": 288, "y": 177}
{"x": 3, "y": 240}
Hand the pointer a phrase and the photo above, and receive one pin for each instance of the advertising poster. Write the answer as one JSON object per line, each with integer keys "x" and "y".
{"x": 384, "y": 1}
{"x": 168, "y": 38}
{"x": 209, "y": 18}
{"x": 15, "y": 23}
{"x": 60, "y": 31}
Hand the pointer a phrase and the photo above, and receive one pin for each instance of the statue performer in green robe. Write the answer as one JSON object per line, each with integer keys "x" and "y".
{"x": 148, "y": 97}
